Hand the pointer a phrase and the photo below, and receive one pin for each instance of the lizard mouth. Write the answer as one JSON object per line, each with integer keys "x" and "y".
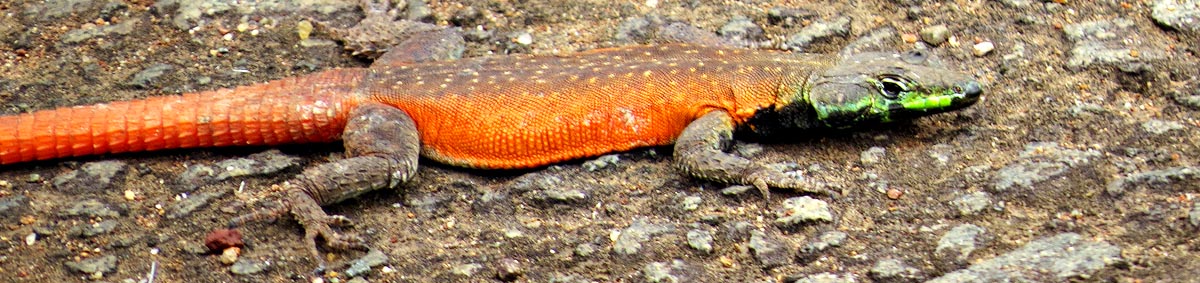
{"x": 958, "y": 97}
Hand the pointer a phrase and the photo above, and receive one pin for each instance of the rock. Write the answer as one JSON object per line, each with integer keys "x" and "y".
{"x": 818, "y": 32}
{"x": 466, "y": 270}
{"x": 247, "y": 266}
{"x": 701, "y": 240}
{"x": 86, "y": 230}
{"x": 825, "y": 277}
{"x": 1058, "y": 258}
{"x": 89, "y": 31}
{"x": 190, "y": 13}
{"x": 221, "y": 239}
{"x": 631, "y": 238}
{"x": 957, "y": 244}
{"x": 1158, "y": 127}
{"x": 95, "y": 265}
{"x": 1181, "y": 15}
{"x": 689, "y": 203}
{"x": 90, "y": 208}
{"x": 802, "y": 209}
{"x": 982, "y": 48}
{"x": 1116, "y": 42}
{"x": 813, "y": 250}
{"x": 676, "y": 271}
{"x": 880, "y": 39}
{"x": 789, "y": 17}
{"x": 742, "y": 29}
{"x": 363, "y": 265}
{"x": 1158, "y": 179}
{"x": 1194, "y": 214}
{"x": 549, "y": 188}
{"x": 148, "y": 77}
{"x": 872, "y": 156}
{"x": 935, "y": 35}
{"x": 972, "y": 203}
{"x": 509, "y": 270}
{"x": 90, "y": 177}
{"x": 604, "y": 161}
{"x": 1039, "y": 162}
{"x": 768, "y": 250}
{"x": 895, "y": 270}
{"x": 13, "y": 205}
{"x": 191, "y": 203}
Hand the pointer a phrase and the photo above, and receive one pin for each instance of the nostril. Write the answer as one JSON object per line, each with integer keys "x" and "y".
{"x": 971, "y": 89}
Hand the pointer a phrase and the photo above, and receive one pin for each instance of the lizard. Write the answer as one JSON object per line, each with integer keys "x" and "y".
{"x": 508, "y": 112}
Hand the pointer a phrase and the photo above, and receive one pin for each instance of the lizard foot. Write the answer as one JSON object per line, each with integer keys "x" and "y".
{"x": 314, "y": 221}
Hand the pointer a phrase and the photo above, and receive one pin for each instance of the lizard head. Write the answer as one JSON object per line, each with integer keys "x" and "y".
{"x": 878, "y": 87}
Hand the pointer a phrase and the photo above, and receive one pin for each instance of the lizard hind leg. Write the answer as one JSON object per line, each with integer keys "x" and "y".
{"x": 382, "y": 146}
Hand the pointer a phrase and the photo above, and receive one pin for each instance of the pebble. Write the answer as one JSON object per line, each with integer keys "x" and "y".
{"x": 89, "y": 31}
{"x": 1117, "y": 42}
{"x": 186, "y": 206}
{"x": 467, "y": 270}
{"x": 249, "y": 266}
{"x": 818, "y": 32}
{"x": 604, "y": 161}
{"x": 223, "y": 239}
{"x": 1194, "y": 214}
{"x": 90, "y": 177}
{"x": 230, "y": 255}
{"x": 585, "y": 250}
{"x": 13, "y": 205}
{"x": 363, "y": 265}
{"x": 689, "y": 203}
{"x": 94, "y": 266}
{"x": 90, "y": 208}
{"x": 662, "y": 272}
{"x": 1039, "y": 162}
{"x": 789, "y": 17}
{"x": 972, "y": 203}
{"x": 1057, "y": 258}
{"x": 957, "y": 244}
{"x": 824, "y": 277}
{"x": 1178, "y": 14}
{"x": 86, "y": 230}
{"x": 935, "y": 35}
{"x": 509, "y": 270}
{"x": 802, "y": 209}
{"x": 148, "y": 77}
{"x": 895, "y": 270}
{"x": 983, "y": 48}
{"x": 262, "y": 163}
{"x": 631, "y": 238}
{"x": 1158, "y": 127}
{"x": 872, "y": 155}
{"x": 768, "y": 249}
{"x": 742, "y": 29}
{"x": 701, "y": 240}
{"x": 1154, "y": 179}
{"x": 812, "y": 251}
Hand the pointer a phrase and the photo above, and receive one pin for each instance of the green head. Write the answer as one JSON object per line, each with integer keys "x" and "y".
{"x": 878, "y": 87}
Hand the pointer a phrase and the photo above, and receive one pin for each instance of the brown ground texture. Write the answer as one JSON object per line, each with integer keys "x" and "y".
{"x": 563, "y": 223}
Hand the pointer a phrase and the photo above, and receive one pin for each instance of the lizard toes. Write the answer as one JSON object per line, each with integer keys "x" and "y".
{"x": 339, "y": 221}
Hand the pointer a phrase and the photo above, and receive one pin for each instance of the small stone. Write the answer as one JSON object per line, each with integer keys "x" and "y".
{"x": 585, "y": 249}
{"x": 604, "y": 161}
{"x": 935, "y": 35}
{"x": 701, "y": 240}
{"x": 1181, "y": 15}
{"x": 95, "y": 265}
{"x": 30, "y": 239}
{"x": 824, "y": 277}
{"x": 304, "y": 29}
{"x": 872, "y": 155}
{"x": 983, "y": 48}
{"x": 90, "y": 177}
{"x": 223, "y": 239}
{"x": 768, "y": 250}
{"x": 230, "y": 255}
{"x": 972, "y": 203}
{"x": 803, "y": 209}
{"x": 631, "y": 238}
{"x": 466, "y": 270}
{"x": 656, "y": 272}
{"x": 364, "y": 264}
{"x": 691, "y": 203}
{"x": 187, "y": 205}
{"x": 89, "y": 230}
{"x": 957, "y": 244}
{"x": 818, "y": 32}
{"x": 508, "y": 269}
{"x": 249, "y": 266}
{"x": 148, "y": 78}
{"x": 812, "y": 251}
{"x": 524, "y": 38}
{"x": 1058, "y": 258}
{"x": 742, "y": 29}
{"x": 1159, "y": 127}
{"x": 130, "y": 195}
{"x": 33, "y": 178}
{"x": 895, "y": 270}
{"x": 90, "y": 208}
{"x": 1194, "y": 214}
{"x": 894, "y": 193}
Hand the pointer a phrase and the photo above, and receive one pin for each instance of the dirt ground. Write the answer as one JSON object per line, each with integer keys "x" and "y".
{"x": 1104, "y": 147}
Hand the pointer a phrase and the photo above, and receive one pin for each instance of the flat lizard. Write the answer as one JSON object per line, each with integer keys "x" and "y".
{"x": 508, "y": 112}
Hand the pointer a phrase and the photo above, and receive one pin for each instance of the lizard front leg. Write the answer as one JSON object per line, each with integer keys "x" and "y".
{"x": 382, "y": 146}
{"x": 700, "y": 152}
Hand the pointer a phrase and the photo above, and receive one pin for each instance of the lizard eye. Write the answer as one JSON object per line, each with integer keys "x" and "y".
{"x": 891, "y": 87}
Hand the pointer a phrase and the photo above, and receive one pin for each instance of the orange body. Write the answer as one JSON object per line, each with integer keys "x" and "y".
{"x": 487, "y": 112}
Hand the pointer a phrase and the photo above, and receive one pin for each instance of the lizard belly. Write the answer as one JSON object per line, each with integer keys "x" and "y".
{"x": 524, "y": 132}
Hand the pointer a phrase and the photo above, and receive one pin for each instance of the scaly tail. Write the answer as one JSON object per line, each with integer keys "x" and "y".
{"x": 304, "y": 109}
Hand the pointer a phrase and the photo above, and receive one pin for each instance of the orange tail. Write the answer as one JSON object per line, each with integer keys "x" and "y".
{"x": 310, "y": 108}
